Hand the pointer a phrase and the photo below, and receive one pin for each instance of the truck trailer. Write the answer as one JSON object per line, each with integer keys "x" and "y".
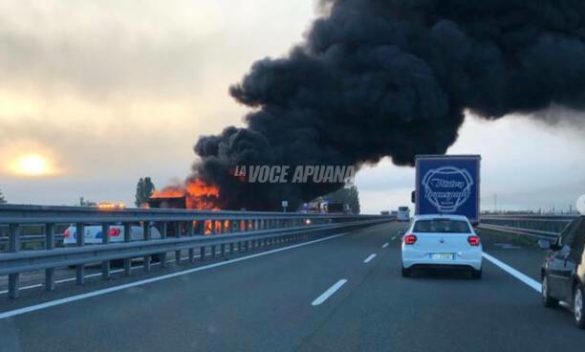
{"x": 448, "y": 184}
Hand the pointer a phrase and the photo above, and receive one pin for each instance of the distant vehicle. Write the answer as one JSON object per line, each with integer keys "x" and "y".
{"x": 94, "y": 235}
{"x": 324, "y": 207}
{"x": 448, "y": 184}
{"x": 563, "y": 271}
{"x": 441, "y": 241}
{"x": 109, "y": 206}
{"x": 385, "y": 212}
{"x": 403, "y": 214}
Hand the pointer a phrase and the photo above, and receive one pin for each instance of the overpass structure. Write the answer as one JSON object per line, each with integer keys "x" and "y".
{"x": 266, "y": 281}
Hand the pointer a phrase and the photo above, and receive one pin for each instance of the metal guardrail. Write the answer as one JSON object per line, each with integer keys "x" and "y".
{"x": 180, "y": 230}
{"x": 536, "y": 226}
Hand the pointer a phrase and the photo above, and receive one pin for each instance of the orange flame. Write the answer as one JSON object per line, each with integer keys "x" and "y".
{"x": 198, "y": 194}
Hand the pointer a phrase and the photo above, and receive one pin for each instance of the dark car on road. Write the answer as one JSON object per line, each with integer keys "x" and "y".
{"x": 563, "y": 272}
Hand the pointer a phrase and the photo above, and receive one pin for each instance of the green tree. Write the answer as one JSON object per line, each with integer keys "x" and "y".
{"x": 2, "y": 199}
{"x": 144, "y": 189}
{"x": 346, "y": 195}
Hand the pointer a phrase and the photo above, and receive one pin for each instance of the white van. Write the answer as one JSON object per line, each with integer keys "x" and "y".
{"x": 403, "y": 214}
{"x": 93, "y": 234}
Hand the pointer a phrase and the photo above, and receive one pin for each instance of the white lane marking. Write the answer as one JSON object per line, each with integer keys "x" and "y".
{"x": 58, "y": 302}
{"x": 330, "y": 291}
{"x": 385, "y": 245}
{"x": 518, "y": 275}
{"x": 369, "y": 259}
{"x": 393, "y": 238}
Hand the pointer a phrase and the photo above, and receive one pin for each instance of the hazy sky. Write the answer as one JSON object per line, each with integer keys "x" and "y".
{"x": 107, "y": 91}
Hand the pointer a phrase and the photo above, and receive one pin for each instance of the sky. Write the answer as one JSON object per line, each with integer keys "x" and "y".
{"x": 95, "y": 94}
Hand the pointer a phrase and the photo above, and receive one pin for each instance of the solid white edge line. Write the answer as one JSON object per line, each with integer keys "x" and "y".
{"x": 385, "y": 245}
{"x": 369, "y": 259}
{"x": 329, "y": 292}
{"x": 518, "y": 275}
{"x": 61, "y": 301}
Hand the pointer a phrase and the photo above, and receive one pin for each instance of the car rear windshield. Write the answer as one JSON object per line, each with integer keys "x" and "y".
{"x": 442, "y": 226}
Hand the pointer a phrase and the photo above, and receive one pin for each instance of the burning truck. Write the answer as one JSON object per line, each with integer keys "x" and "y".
{"x": 194, "y": 194}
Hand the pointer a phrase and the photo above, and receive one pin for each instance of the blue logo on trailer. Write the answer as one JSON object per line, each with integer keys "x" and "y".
{"x": 448, "y": 186}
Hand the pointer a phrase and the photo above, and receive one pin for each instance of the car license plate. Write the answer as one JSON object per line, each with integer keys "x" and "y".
{"x": 442, "y": 256}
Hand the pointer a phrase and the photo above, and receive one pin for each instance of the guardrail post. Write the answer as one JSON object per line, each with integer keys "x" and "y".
{"x": 202, "y": 253}
{"x": 146, "y": 259}
{"x": 13, "y": 247}
{"x": 80, "y": 240}
{"x": 50, "y": 244}
{"x": 106, "y": 240}
{"x": 191, "y": 233}
{"x": 163, "y": 235}
{"x": 127, "y": 238}
{"x": 213, "y": 232}
{"x": 178, "y": 252}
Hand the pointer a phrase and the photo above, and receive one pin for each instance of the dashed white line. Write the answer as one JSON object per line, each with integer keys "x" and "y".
{"x": 393, "y": 238}
{"x": 369, "y": 259}
{"x": 518, "y": 275}
{"x": 330, "y": 291}
{"x": 61, "y": 301}
{"x": 385, "y": 245}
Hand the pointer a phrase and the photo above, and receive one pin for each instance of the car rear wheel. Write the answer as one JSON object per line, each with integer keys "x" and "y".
{"x": 579, "y": 307}
{"x": 406, "y": 272}
{"x": 476, "y": 274}
{"x": 547, "y": 300}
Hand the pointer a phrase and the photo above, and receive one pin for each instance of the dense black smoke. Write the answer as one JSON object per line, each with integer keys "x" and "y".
{"x": 379, "y": 78}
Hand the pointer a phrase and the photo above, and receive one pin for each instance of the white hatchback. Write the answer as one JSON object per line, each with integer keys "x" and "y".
{"x": 441, "y": 241}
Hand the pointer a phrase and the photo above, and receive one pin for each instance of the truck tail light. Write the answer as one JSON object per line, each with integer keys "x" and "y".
{"x": 473, "y": 241}
{"x": 410, "y": 239}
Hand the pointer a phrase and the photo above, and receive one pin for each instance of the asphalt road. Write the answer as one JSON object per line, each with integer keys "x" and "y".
{"x": 331, "y": 295}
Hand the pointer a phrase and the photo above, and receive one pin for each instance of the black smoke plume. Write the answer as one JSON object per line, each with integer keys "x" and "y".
{"x": 378, "y": 78}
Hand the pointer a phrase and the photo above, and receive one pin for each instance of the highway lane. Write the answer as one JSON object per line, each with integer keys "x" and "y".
{"x": 265, "y": 303}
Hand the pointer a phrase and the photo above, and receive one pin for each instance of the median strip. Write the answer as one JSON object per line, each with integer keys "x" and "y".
{"x": 89, "y": 276}
{"x": 330, "y": 291}
{"x": 58, "y": 302}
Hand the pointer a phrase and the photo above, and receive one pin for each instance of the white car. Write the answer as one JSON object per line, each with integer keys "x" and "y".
{"x": 93, "y": 234}
{"x": 441, "y": 241}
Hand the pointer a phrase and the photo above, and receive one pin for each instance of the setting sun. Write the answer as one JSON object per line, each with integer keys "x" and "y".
{"x": 31, "y": 165}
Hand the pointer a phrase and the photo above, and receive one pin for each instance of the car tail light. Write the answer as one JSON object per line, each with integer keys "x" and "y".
{"x": 473, "y": 240}
{"x": 410, "y": 239}
{"x": 114, "y": 232}
{"x": 66, "y": 233}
